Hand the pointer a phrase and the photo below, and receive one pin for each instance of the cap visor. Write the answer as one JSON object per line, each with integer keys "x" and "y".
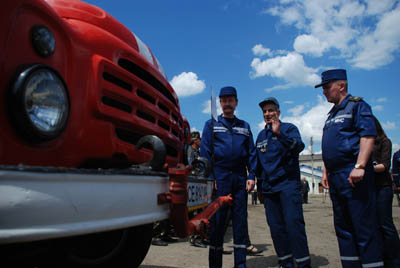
{"x": 319, "y": 85}
{"x": 261, "y": 104}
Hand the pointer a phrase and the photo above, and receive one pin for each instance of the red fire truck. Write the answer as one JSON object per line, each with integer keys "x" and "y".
{"x": 91, "y": 139}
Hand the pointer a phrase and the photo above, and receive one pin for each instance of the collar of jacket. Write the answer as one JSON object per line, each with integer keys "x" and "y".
{"x": 222, "y": 120}
{"x": 340, "y": 106}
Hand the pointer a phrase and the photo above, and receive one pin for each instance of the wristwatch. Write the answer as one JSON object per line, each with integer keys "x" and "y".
{"x": 358, "y": 166}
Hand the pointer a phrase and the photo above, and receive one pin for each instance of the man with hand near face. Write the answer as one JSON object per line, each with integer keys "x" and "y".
{"x": 228, "y": 145}
{"x": 278, "y": 146}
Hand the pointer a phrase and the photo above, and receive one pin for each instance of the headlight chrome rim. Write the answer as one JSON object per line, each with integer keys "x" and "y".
{"x": 39, "y": 103}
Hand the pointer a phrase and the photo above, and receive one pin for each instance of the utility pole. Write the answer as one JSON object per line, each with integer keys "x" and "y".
{"x": 312, "y": 165}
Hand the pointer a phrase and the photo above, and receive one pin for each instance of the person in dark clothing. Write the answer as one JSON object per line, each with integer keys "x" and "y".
{"x": 395, "y": 174}
{"x": 347, "y": 141}
{"x": 381, "y": 155}
{"x": 194, "y": 149}
{"x": 228, "y": 144}
{"x": 305, "y": 188}
{"x": 278, "y": 146}
{"x": 193, "y": 153}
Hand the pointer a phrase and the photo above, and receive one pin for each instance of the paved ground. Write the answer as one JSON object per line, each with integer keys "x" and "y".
{"x": 319, "y": 226}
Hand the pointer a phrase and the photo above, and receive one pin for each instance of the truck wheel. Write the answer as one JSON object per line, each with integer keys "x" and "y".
{"x": 120, "y": 248}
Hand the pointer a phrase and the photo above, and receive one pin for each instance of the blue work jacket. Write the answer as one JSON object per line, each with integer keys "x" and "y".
{"x": 278, "y": 157}
{"x": 396, "y": 168}
{"x": 346, "y": 124}
{"x": 233, "y": 146}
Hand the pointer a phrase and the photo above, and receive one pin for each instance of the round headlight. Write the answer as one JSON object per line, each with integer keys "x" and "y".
{"x": 41, "y": 104}
{"x": 43, "y": 40}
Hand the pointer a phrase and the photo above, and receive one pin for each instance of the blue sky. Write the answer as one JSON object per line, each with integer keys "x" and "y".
{"x": 273, "y": 48}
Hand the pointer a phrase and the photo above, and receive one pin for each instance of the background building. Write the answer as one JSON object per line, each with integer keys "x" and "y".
{"x": 311, "y": 169}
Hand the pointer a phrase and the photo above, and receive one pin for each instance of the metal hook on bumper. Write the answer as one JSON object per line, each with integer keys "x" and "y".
{"x": 159, "y": 151}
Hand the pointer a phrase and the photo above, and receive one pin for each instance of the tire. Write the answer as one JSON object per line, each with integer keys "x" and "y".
{"x": 120, "y": 248}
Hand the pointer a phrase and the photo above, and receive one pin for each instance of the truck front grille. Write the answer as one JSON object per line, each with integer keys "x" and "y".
{"x": 116, "y": 104}
{"x": 147, "y": 77}
{"x": 116, "y": 81}
{"x": 145, "y": 105}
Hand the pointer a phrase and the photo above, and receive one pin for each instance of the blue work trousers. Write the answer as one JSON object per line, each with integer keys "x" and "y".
{"x": 234, "y": 184}
{"x": 391, "y": 241}
{"x": 355, "y": 219}
{"x": 284, "y": 212}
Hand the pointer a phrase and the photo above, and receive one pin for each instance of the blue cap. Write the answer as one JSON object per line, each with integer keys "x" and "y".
{"x": 269, "y": 100}
{"x": 227, "y": 91}
{"x": 332, "y": 75}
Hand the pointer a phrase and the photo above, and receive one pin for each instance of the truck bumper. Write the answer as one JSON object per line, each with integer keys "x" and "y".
{"x": 44, "y": 203}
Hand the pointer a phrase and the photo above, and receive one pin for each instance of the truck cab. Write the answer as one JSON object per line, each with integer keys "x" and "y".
{"x": 89, "y": 128}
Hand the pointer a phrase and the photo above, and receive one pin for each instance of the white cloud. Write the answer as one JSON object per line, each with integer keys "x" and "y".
{"x": 377, "y": 108}
{"x": 389, "y": 125}
{"x": 378, "y": 6}
{"x": 259, "y": 50}
{"x": 377, "y": 48}
{"x": 290, "y": 68}
{"x": 311, "y": 122}
{"x": 292, "y": 15}
{"x": 308, "y": 44}
{"x": 187, "y": 84}
{"x": 382, "y": 99}
{"x": 364, "y": 33}
{"x": 288, "y": 102}
{"x": 289, "y": 15}
{"x": 295, "y": 111}
{"x": 207, "y": 107}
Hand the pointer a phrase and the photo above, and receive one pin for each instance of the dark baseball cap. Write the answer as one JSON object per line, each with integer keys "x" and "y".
{"x": 269, "y": 100}
{"x": 332, "y": 75}
{"x": 228, "y": 91}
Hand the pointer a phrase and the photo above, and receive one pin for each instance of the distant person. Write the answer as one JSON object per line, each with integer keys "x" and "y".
{"x": 194, "y": 148}
{"x": 395, "y": 174}
{"x": 347, "y": 142}
{"x": 381, "y": 155}
{"x": 305, "y": 188}
{"x": 228, "y": 145}
{"x": 278, "y": 146}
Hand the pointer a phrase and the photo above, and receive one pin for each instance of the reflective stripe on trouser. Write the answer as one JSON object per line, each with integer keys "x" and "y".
{"x": 284, "y": 213}
{"x": 355, "y": 222}
{"x": 356, "y": 262}
{"x": 235, "y": 185}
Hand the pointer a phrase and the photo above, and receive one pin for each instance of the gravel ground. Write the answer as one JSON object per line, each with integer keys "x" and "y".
{"x": 319, "y": 227}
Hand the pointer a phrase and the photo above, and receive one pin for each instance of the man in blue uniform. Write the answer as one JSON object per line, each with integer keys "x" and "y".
{"x": 228, "y": 144}
{"x": 347, "y": 142}
{"x": 396, "y": 174}
{"x": 278, "y": 146}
